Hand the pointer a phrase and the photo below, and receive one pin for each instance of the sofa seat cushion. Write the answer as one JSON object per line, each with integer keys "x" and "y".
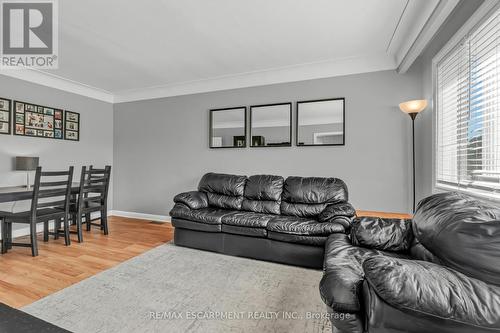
{"x": 193, "y": 225}
{"x": 209, "y": 215}
{"x": 247, "y": 219}
{"x": 245, "y": 231}
{"x": 246, "y": 223}
{"x": 302, "y": 226}
{"x": 298, "y": 239}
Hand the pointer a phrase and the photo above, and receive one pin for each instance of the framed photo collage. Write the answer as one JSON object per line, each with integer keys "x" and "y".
{"x": 28, "y": 119}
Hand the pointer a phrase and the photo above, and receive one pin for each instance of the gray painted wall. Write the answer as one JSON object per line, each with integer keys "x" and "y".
{"x": 95, "y": 145}
{"x": 161, "y": 145}
{"x": 425, "y": 121}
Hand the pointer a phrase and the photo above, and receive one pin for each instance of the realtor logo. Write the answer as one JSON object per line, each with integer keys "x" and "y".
{"x": 29, "y": 34}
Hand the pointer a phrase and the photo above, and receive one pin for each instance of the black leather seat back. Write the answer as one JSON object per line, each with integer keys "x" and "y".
{"x": 307, "y": 197}
{"x": 263, "y": 194}
{"x": 463, "y": 232}
{"x": 223, "y": 191}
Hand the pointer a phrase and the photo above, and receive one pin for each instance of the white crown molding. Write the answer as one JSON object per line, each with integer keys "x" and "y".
{"x": 57, "y": 82}
{"x": 142, "y": 216}
{"x": 413, "y": 19}
{"x": 325, "y": 69}
{"x": 429, "y": 30}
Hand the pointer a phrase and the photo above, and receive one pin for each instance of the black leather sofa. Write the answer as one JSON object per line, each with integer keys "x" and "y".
{"x": 263, "y": 216}
{"x": 439, "y": 272}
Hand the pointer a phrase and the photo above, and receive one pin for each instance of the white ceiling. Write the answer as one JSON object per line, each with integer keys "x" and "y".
{"x": 120, "y": 50}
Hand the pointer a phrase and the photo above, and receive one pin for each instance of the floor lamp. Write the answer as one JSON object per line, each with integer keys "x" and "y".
{"x": 413, "y": 108}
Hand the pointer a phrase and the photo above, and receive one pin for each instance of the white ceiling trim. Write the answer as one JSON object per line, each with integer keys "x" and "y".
{"x": 60, "y": 83}
{"x": 337, "y": 67}
{"x": 431, "y": 27}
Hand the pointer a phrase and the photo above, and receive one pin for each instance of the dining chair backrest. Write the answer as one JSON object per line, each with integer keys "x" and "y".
{"x": 94, "y": 186}
{"x": 52, "y": 189}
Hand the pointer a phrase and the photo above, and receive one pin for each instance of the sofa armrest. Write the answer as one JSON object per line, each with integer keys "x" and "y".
{"x": 192, "y": 199}
{"x": 384, "y": 234}
{"x": 428, "y": 289}
{"x": 341, "y": 213}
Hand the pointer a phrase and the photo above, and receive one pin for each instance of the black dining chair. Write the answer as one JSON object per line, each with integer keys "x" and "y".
{"x": 92, "y": 197}
{"x": 50, "y": 201}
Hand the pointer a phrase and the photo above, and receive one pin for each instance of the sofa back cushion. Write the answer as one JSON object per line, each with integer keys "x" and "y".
{"x": 263, "y": 194}
{"x": 463, "y": 232}
{"x": 307, "y": 197}
{"x": 223, "y": 191}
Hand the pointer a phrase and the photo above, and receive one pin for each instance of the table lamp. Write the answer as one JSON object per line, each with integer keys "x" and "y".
{"x": 24, "y": 163}
{"x": 413, "y": 108}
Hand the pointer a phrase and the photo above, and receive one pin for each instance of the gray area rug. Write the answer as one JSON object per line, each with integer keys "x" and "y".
{"x": 175, "y": 289}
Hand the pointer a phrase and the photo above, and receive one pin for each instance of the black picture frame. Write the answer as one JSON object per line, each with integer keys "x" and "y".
{"x": 72, "y": 122}
{"x": 24, "y": 111}
{"x": 210, "y": 130}
{"x": 297, "y": 120}
{"x": 289, "y": 144}
{"x": 8, "y": 111}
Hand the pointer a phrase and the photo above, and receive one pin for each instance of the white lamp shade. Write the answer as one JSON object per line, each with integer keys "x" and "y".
{"x": 414, "y": 106}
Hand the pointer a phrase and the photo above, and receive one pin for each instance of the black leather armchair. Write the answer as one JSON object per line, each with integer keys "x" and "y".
{"x": 439, "y": 272}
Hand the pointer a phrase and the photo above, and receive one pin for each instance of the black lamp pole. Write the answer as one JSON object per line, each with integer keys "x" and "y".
{"x": 413, "y": 116}
{"x": 412, "y": 108}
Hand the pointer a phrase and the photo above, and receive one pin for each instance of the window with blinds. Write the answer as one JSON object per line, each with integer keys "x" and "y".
{"x": 468, "y": 114}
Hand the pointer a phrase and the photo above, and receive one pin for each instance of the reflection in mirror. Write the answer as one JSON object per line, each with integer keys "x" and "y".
{"x": 271, "y": 125}
{"x": 228, "y": 128}
{"x": 321, "y": 123}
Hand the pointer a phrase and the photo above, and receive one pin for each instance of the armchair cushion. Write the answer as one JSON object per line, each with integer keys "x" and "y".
{"x": 463, "y": 232}
{"x": 385, "y": 234}
{"x": 192, "y": 199}
{"x": 340, "y": 287}
{"x": 428, "y": 289}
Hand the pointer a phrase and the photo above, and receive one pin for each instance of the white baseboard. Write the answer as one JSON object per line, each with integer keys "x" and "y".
{"x": 26, "y": 231}
{"x": 142, "y": 216}
{"x": 150, "y": 217}
{"x": 39, "y": 228}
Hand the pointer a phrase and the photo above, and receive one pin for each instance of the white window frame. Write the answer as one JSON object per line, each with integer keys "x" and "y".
{"x": 479, "y": 16}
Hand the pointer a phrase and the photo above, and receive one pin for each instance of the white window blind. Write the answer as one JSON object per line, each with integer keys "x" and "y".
{"x": 468, "y": 114}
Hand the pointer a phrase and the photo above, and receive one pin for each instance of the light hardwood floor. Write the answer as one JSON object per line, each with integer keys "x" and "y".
{"x": 383, "y": 214}
{"x": 24, "y": 279}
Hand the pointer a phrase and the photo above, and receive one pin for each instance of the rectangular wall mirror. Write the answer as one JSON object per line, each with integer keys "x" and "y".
{"x": 321, "y": 122}
{"x": 228, "y": 127}
{"x": 271, "y": 125}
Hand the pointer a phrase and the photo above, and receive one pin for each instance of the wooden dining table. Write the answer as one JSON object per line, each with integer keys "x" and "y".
{"x": 19, "y": 193}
